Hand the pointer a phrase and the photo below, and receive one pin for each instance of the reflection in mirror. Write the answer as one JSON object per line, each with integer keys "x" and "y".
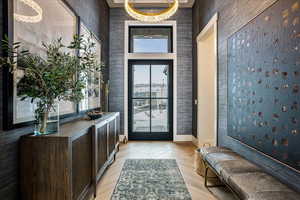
{"x": 92, "y": 92}
{"x": 55, "y": 21}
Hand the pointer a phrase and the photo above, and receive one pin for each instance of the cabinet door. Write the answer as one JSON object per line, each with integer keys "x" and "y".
{"x": 112, "y": 136}
{"x": 102, "y": 146}
{"x": 81, "y": 165}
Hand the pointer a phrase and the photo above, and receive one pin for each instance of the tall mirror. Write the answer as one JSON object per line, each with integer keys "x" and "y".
{"x": 92, "y": 92}
{"x": 37, "y": 21}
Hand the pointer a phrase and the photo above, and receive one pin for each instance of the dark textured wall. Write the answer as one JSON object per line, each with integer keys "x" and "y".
{"x": 1, "y": 85}
{"x": 95, "y": 14}
{"x": 184, "y": 66}
{"x": 233, "y": 14}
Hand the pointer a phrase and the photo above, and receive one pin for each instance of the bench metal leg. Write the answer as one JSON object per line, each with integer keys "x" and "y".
{"x": 206, "y": 179}
{"x": 205, "y": 176}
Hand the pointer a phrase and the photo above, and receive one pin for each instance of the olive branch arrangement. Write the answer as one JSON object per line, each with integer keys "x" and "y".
{"x": 57, "y": 75}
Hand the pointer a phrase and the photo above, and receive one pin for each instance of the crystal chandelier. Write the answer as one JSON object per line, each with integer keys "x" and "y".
{"x": 30, "y": 19}
{"x": 151, "y": 17}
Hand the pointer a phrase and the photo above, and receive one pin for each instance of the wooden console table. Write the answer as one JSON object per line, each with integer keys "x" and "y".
{"x": 69, "y": 164}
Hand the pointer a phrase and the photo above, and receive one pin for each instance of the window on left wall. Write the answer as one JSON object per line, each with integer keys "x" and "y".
{"x": 37, "y": 21}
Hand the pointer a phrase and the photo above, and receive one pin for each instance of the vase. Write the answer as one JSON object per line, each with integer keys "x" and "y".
{"x": 47, "y": 121}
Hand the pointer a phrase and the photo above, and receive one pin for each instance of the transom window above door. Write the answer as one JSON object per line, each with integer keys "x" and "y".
{"x": 152, "y": 39}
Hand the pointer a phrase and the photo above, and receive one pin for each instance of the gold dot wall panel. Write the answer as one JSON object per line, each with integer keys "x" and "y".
{"x": 264, "y": 83}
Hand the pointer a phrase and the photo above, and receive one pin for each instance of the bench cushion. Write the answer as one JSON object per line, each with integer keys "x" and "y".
{"x": 229, "y": 168}
{"x": 214, "y": 158}
{"x": 247, "y": 185}
{"x": 206, "y": 150}
{"x": 275, "y": 196}
{"x": 247, "y": 180}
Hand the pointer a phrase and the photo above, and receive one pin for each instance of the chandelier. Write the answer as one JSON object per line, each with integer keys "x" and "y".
{"x": 151, "y": 17}
{"x": 30, "y": 19}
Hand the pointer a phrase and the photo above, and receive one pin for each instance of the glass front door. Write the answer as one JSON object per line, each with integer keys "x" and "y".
{"x": 150, "y": 100}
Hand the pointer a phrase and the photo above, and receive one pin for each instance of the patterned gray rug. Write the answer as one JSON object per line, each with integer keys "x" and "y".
{"x": 148, "y": 179}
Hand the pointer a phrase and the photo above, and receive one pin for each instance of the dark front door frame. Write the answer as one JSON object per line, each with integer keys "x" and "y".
{"x": 150, "y": 135}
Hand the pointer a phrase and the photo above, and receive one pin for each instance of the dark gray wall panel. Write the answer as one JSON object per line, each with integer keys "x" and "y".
{"x": 1, "y": 85}
{"x": 95, "y": 13}
{"x": 268, "y": 119}
{"x": 233, "y": 14}
{"x": 184, "y": 66}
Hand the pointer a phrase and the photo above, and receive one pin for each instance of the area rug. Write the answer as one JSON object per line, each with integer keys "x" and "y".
{"x": 149, "y": 179}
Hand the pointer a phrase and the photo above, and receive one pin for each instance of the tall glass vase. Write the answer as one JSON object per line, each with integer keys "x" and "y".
{"x": 47, "y": 122}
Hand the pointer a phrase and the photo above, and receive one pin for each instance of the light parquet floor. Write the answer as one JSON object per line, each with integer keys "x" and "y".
{"x": 182, "y": 152}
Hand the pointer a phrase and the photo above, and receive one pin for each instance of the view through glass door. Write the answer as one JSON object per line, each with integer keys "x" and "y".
{"x": 150, "y": 100}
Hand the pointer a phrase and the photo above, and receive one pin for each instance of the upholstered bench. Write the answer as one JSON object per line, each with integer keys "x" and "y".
{"x": 246, "y": 180}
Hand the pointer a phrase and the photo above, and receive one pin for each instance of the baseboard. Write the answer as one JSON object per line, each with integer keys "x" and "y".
{"x": 182, "y": 138}
{"x": 177, "y": 138}
{"x": 195, "y": 141}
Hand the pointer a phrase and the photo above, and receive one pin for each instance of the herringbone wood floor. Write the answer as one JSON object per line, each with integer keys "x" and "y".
{"x": 182, "y": 152}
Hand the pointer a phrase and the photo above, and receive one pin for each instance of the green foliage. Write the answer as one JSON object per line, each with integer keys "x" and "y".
{"x": 54, "y": 76}
{"x": 12, "y": 53}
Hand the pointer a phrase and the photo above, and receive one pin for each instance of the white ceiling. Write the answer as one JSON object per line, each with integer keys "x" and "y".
{"x": 150, "y": 3}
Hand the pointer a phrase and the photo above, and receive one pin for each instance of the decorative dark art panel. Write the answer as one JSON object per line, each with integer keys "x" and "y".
{"x": 264, "y": 83}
